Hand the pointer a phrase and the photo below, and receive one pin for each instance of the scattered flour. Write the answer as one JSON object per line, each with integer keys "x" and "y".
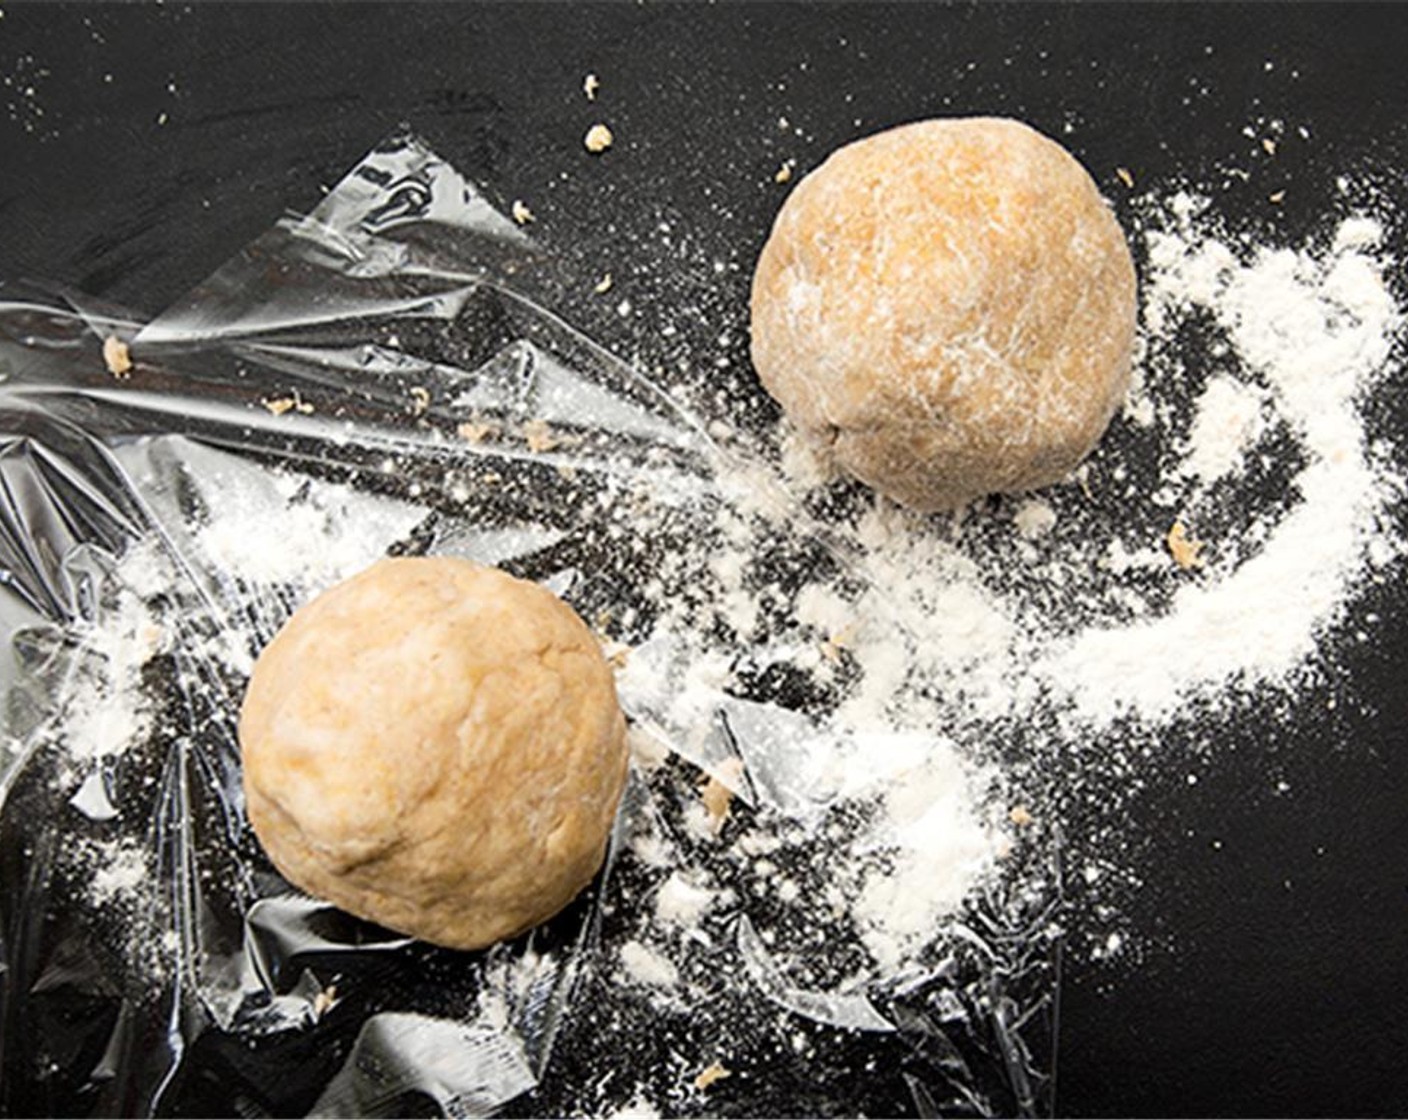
{"x": 680, "y": 902}
{"x": 937, "y": 846}
{"x": 637, "y": 1108}
{"x": 1317, "y": 330}
{"x": 103, "y": 707}
{"x": 122, "y": 869}
{"x": 950, "y": 629}
{"x": 891, "y": 654}
{"x": 1227, "y": 422}
{"x": 276, "y": 529}
{"x": 1034, "y": 518}
{"x": 643, "y": 965}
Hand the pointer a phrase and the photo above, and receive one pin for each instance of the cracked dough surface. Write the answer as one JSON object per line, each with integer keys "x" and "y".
{"x": 949, "y": 307}
{"x": 435, "y": 746}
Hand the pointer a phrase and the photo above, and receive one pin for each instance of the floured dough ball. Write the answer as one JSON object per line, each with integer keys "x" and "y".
{"x": 950, "y": 307}
{"x": 437, "y": 747}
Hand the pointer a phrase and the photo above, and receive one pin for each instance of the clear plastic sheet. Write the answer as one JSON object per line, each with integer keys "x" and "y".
{"x": 382, "y": 376}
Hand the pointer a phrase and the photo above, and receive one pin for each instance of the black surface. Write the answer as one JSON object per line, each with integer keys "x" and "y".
{"x": 1276, "y": 924}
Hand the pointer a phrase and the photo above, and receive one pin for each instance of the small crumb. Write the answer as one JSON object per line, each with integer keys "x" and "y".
{"x": 615, "y": 652}
{"x": 1020, "y": 815}
{"x": 420, "y": 400}
{"x": 324, "y": 1000}
{"x": 835, "y": 643}
{"x": 784, "y": 174}
{"x": 1277, "y": 198}
{"x": 117, "y": 357}
{"x": 590, "y": 84}
{"x": 277, "y": 406}
{"x": 1186, "y": 552}
{"x": 477, "y": 431}
{"x": 717, "y": 795}
{"x": 539, "y": 436}
{"x": 603, "y": 285}
{"x": 716, "y": 1072}
{"x": 521, "y": 214}
{"x": 1125, "y": 177}
{"x": 1268, "y": 146}
{"x": 598, "y": 139}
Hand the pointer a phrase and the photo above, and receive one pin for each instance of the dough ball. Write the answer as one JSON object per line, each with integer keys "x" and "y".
{"x": 949, "y": 307}
{"x": 437, "y": 747}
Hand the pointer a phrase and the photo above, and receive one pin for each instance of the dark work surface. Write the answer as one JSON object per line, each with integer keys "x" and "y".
{"x": 1275, "y": 961}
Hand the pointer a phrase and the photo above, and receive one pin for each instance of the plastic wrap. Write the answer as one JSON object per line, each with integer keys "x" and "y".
{"x": 381, "y": 376}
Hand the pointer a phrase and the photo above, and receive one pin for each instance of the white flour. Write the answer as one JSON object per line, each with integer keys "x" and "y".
{"x": 1065, "y": 615}
{"x": 1228, "y": 421}
{"x": 872, "y": 798}
{"x": 122, "y": 870}
{"x": 681, "y": 902}
{"x": 939, "y": 846}
{"x": 102, "y": 708}
{"x": 1313, "y": 332}
{"x": 646, "y": 966}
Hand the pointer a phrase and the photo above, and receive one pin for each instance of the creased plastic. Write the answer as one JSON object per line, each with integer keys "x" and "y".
{"x": 382, "y": 375}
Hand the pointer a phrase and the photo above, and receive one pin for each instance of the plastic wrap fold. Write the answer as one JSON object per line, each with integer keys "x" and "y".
{"x": 382, "y": 376}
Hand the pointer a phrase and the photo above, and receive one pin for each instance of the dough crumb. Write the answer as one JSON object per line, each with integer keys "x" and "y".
{"x": 420, "y": 400}
{"x": 477, "y": 431}
{"x": 1186, "y": 552}
{"x": 277, "y": 406}
{"x": 1020, "y": 815}
{"x": 521, "y": 214}
{"x": 117, "y": 357}
{"x": 539, "y": 436}
{"x": 615, "y": 652}
{"x": 598, "y": 139}
{"x": 590, "y": 84}
{"x": 603, "y": 285}
{"x": 323, "y": 1002}
{"x": 832, "y": 648}
{"x": 784, "y": 173}
{"x": 717, "y": 794}
{"x": 707, "y": 1077}
{"x": 1277, "y": 198}
{"x": 1268, "y": 146}
{"x": 1125, "y": 177}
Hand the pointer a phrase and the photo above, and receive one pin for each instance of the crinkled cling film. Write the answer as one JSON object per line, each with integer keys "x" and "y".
{"x": 382, "y": 377}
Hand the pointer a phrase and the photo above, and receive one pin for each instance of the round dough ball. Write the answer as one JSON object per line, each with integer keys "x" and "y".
{"x": 948, "y": 306}
{"x": 437, "y": 747}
